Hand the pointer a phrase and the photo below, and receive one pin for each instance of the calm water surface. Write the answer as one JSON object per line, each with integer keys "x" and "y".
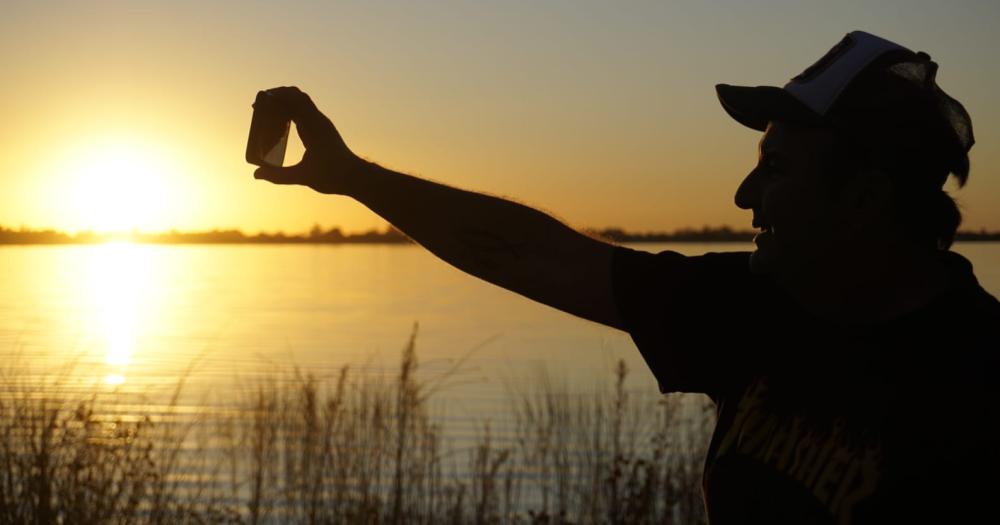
{"x": 136, "y": 317}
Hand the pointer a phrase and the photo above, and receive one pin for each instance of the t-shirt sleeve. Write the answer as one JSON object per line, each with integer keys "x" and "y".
{"x": 690, "y": 317}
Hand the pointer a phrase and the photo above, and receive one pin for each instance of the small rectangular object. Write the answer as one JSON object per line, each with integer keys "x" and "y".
{"x": 269, "y": 129}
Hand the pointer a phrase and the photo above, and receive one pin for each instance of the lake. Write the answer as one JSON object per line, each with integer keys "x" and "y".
{"x": 136, "y": 317}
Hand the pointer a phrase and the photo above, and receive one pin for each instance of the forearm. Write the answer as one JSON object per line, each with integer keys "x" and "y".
{"x": 498, "y": 240}
{"x": 478, "y": 233}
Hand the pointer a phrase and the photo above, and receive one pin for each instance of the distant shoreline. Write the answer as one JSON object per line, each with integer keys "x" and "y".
{"x": 391, "y": 235}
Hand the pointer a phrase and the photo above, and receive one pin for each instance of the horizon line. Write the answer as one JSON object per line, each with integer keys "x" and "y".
{"x": 387, "y": 235}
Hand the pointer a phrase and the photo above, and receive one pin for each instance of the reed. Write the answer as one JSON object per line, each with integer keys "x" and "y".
{"x": 356, "y": 449}
{"x": 72, "y": 455}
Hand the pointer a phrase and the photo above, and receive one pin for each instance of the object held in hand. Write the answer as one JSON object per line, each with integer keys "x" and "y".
{"x": 268, "y": 132}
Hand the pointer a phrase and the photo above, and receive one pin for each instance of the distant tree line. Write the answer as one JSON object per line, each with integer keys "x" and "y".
{"x": 316, "y": 235}
{"x": 334, "y": 235}
{"x": 706, "y": 234}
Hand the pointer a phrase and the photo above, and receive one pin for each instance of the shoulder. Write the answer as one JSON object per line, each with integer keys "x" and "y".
{"x": 967, "y": 306}
{"x": 689, "y": 315}
{"x": 955, "y": 341}
{"x": 628, "y": 264}
{"x": 687, "y": 281}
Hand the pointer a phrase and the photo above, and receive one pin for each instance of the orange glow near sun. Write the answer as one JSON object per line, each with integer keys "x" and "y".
{"x": 115, "y": 185}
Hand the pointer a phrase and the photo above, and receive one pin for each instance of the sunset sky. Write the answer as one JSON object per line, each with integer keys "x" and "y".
{"x": 121, "y": 115}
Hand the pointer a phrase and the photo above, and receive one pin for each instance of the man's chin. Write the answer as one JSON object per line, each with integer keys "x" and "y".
{"x": 764, "y": 260}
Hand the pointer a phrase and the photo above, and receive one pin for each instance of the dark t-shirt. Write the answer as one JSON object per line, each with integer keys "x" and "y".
{"x": 893, "y": 423}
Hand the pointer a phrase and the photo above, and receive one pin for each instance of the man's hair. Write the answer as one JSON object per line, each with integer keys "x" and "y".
{"x": 924, "y": 212}
{"x": 885, "y": 123}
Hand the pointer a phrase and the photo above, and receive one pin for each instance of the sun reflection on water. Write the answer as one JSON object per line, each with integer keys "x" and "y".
{"x": 119, "y": 276}
{"x": 114, "y": 379}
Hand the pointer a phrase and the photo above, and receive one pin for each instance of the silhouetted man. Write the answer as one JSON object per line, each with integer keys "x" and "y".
{"x": 851, "y": 356}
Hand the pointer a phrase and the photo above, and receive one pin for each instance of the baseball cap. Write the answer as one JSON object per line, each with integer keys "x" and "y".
{"x": 879, "y": 93}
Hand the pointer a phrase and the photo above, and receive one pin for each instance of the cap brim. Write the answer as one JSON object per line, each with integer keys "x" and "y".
{"x": 755, "y": 106}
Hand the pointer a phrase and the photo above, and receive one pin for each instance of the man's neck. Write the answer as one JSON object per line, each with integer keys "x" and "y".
{"x": 870, "y": 287}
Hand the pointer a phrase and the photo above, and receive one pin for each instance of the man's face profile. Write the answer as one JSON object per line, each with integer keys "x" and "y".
{"x": 790, "y": 198}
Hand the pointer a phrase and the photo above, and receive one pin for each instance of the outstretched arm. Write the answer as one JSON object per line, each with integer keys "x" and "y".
{"x": 500, "y": 241}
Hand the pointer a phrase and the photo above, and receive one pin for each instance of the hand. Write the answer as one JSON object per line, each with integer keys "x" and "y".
{"x": 328, "y": 164}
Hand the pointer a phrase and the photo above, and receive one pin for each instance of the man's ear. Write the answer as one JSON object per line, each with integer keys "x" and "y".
{"x": 876, "y": 189}
{"x": 868, "y": 196}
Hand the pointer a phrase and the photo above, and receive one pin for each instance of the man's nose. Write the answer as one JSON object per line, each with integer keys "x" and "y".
{"x": 748, "y": 194}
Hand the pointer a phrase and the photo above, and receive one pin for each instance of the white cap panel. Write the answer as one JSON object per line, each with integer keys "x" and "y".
{"x": 820, "y": 85}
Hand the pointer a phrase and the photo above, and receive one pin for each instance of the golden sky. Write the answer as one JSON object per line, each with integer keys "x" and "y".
{"x": 121, "y": 115}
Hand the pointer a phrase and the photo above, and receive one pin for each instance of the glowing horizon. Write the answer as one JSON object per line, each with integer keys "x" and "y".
{"x": 127, "y": 116}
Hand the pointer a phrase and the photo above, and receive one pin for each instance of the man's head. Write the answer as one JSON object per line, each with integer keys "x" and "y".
{"x": 855, "y": 152}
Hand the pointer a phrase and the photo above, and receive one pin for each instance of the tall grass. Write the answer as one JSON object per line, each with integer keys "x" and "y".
{"x": 69, "y": 457}
{"x": 357, "y": 449}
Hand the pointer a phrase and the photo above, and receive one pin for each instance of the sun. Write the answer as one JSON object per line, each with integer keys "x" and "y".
{"x": 116, "y": 185}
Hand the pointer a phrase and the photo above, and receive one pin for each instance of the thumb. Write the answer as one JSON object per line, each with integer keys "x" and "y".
{"x": 279, "y": 174}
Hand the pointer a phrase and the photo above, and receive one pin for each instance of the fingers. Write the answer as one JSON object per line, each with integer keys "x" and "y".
{"x": 311, "y": 123}
{"x": 282, "y": 175}
{"x": 294, "y": 100}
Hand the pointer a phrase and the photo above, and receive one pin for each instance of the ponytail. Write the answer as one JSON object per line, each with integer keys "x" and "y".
{"x": 947, "y": 217}
{"x": 929, "y": 216}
